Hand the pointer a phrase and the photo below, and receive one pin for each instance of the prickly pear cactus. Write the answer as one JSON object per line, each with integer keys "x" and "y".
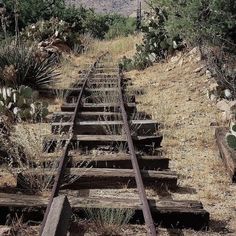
{"x": 231, "y": 140}
{"x": 22, "y": 103}
{"x": 231, "y": 137}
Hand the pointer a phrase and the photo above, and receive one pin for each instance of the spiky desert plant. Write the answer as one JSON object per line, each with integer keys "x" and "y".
{"x": 19, "y": 65}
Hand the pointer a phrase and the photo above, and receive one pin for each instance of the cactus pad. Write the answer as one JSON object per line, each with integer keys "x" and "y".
{"x": 231, "y": 140}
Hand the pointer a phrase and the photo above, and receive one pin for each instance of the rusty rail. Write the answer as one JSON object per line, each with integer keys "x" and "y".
{"x": 151, "y": 229}
{"x": 65, "y": 157}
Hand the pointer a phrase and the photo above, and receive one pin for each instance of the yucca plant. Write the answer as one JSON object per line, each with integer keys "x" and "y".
{"x": 22, "y": 65}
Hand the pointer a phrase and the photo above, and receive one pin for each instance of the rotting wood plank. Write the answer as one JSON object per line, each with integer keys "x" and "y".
{"x": 101, "y": 127}
{"x": 58, "y": 219}
{"x": 95, "y": 98}
{"x": 85, "y": 116}
{"x": 121, "y": 161}
{"x": 170, "y": 213}
{"x": 141, "y": 142}
{"x": 93, "y": 115}
{"x": 97, "y": 107}
{"x": 228, "y": 155}
{"x": 96, "y": 178}
{"x": 75, "y": 91}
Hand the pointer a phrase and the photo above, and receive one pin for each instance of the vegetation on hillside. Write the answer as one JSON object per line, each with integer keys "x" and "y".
{"x": 33, "y": 36}
{"x": 172, "y": 25}
{"x": 80, "y": 19}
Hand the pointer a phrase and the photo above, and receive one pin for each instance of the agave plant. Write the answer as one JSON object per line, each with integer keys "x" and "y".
{"x": 19, "y": 65}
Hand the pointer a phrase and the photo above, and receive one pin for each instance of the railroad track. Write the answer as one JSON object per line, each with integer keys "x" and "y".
{"x": 100, "y": 116}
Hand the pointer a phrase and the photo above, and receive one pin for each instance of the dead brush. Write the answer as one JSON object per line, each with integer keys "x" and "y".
{"x": 25, "y": 159}
{"x": 19, "y": 228}
{"x": 109, "y": 221}
{"x": 31, "y": 164}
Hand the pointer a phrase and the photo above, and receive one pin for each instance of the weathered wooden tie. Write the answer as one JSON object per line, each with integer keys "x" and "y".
{"x": 228, "y": 155}
{"x": 104, "y": 178}
{"x": 100, "y": 127}
{"x": 168, "y": 213}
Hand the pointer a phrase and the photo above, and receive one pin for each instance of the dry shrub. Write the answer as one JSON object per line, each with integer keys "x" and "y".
{"x": 222, "y": 65}
{"x": 19, "y": 228}
{"x": 25, "y": 158}
{"x": 29, "y": 162}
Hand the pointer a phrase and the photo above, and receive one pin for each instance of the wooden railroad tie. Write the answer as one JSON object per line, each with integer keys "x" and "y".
{"x": 168, "y": 213}
{"x": 228, "y": 155}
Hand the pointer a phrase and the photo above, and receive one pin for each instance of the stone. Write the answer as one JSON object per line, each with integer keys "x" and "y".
{"x": 199, "y": 69}
{"x": 194, "y": 51}
{"x": 175, "y": 59}
{"x": 214, "y": 124}
{"x": 213, "y": 98}
{"x": 197, "y": 59}
{"x": 213, "y": 86}
{"x": 232, "y": 106}
{"x": 208, "y": 74}
{"x": 223, "y": 105}
{"x": 4, "y": 230}
{"x": 181, "y": 62}
{"x": 227, "y": 93}
{"x": 225, "y": 116}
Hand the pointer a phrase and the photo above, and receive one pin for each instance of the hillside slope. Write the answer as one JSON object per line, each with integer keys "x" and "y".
{"x": 176, "y": 96}
{"x": 124, "y": 7}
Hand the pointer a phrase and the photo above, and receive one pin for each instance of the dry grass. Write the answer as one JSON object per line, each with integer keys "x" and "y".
{"x": 119, "y": 47}
{"x": 177, "y": 96}
{"x": 18, "y": 228}
{"x": 25, "y": 150}
{"x": 69, "y": 72}
{"x": 109, "y": 221}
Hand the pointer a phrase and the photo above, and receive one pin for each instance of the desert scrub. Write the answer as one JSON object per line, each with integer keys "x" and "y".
{"x": 52, "y": 29}
{"x": 108, "y": 221}
{"x": 25, "y": 157}
{"x": 23, "y": 65}
{"x": 28, "y": 160}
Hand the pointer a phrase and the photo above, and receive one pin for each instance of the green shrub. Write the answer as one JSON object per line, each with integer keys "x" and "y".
{"x": 200, "y": 21}
{"x": 121, "y": 27}
{"x": 20, "y": 65}
{"x": 80, "y": 19}
{"x": 51, "y": 29}
{"x": 126, "y": 64}
{"x": 32, "y": 11}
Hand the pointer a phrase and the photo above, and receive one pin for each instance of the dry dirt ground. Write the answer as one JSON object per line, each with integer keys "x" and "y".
{"x": 177, "y": 97}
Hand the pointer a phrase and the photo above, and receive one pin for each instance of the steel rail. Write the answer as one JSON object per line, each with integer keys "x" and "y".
{"x": 65, "y": 157}
{"x": 151, "y": 229}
